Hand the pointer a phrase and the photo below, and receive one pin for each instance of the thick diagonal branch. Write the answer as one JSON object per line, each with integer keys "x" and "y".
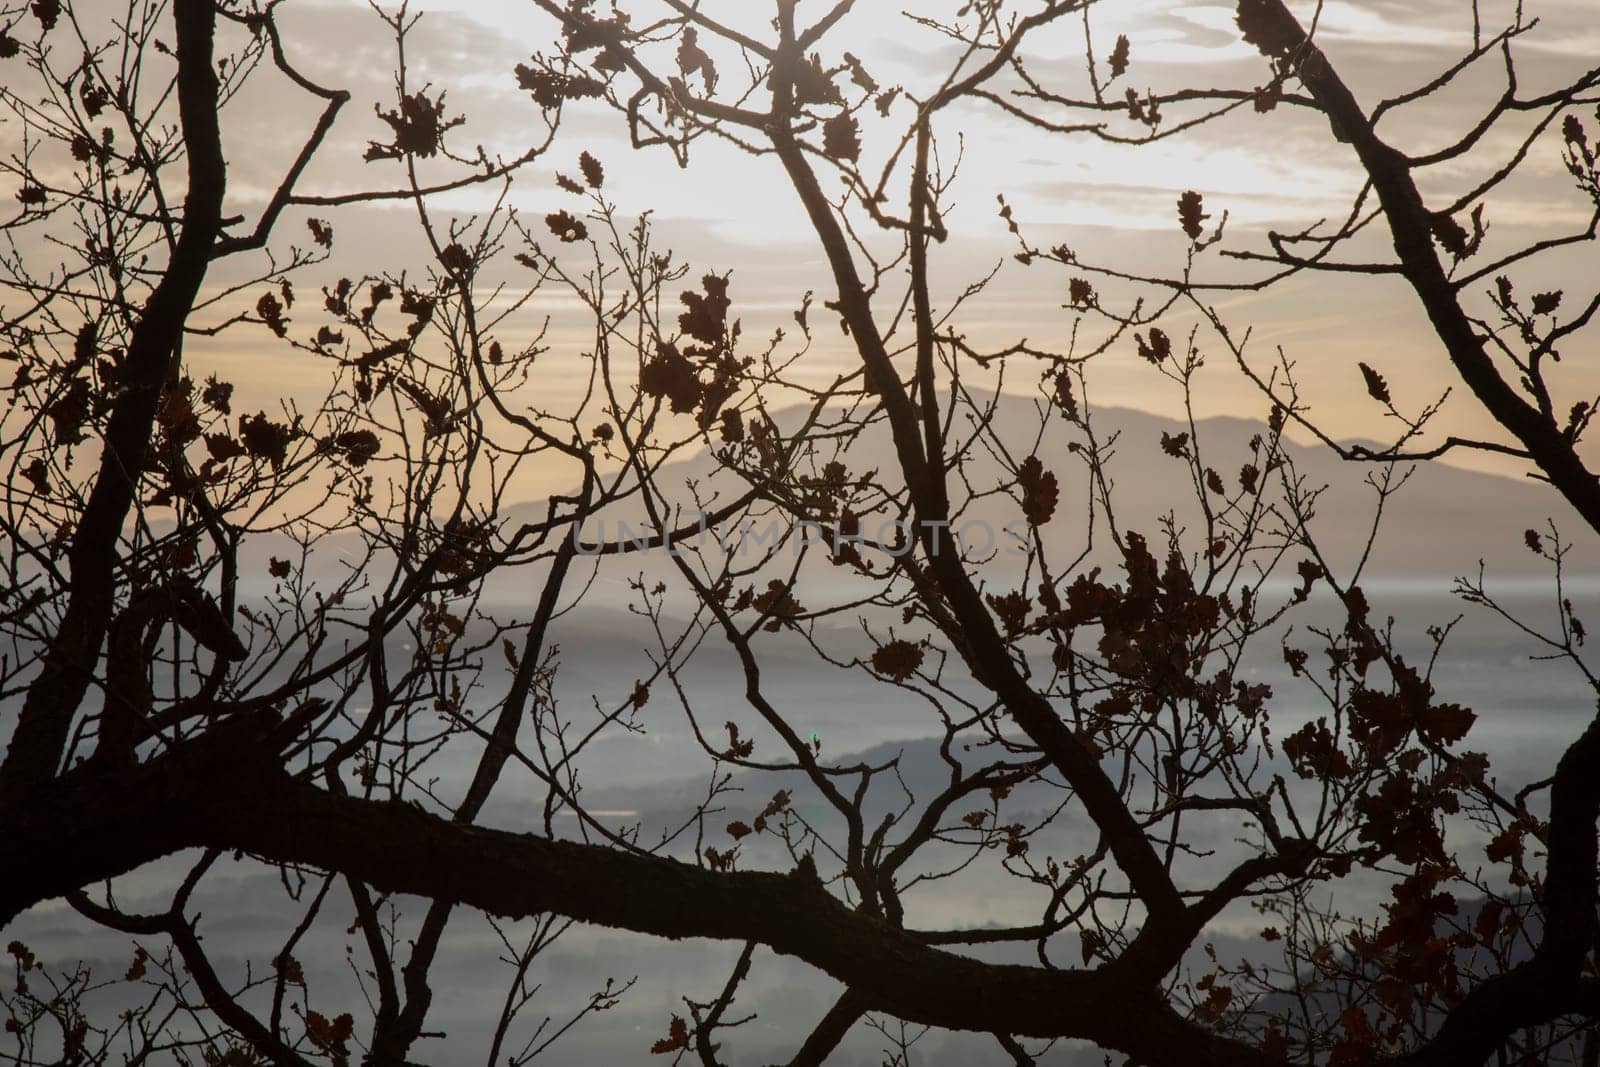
{"x": 53, "y": 698}
{"x": 232, "y": 797}
{"x": 1411, "y": 226}
{"x": 986, "y": 650}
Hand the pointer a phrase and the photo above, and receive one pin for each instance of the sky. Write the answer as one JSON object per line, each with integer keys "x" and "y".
{"x": 729, "y": 211}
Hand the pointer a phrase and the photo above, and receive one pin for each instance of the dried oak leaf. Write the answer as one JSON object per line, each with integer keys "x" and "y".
{"x": 841, "y": 137}
{"x": 1039, "y": 491}
{"x": 1573, "y": 133}
{"x": 358, "y": 446}
{"x": 813, "y": 85}
{"x": 778, "y": 603}
{"x": 1135, "y": 107}
{"x": 738, "y": 749}
{"x": 1119, "y": 56}
{"x": 1192, "y": 214}
{"x": 1454, "y": 238}
{"x": 1012, "y": 608}
{"x": 1090, "y": 942}
{"x": 859, "y": 75}
{"x": 1064, "y": 397}
{"x": 550, "y": 88}
{"x": 330, "y": 1037}
{"x": 435, "y": 408}
{"x": 271, "y": 312}
{"x": 419, "y": 126}
{"x": 456, "y": 259}
{"x": 47, "y": 12}
{"x": 593, "y": 173}
{"x": 707, "y": 316}
{"x": 566, "y": 227}
{"x": 897, "y": 660}
{"x": 590, "y": 32}
{"x": 289, "y": 967}
{"x": 1545, "y": 303}
{"x": 265, "y": 439}
{"x": 1157, "y": 348}
{"x": 672, "y": 375}
{"x": 1377, "y": 388}
{"x": 1313, "y": 754}
{"x": 1450, "y": 234}
{"x": 1445, "y": 723}
{"x": 38, "y": 472}
{"x": 222, "y": 448}
{"x": 677, "y": 1038}
{"x": 1309, "y": 573}
{"x": 175, "y": 415}
{"x": 368, "y": 360}
{"x": 68, "y": 412}
{"x": 1268, "y": 25}
{"x": 692, "y": 59}
{"x": 1507, "y": 845}
{"x": 1490, "y": 916}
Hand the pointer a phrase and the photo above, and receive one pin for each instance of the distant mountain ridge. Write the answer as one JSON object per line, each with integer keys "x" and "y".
{"x": 1440, "y": 524}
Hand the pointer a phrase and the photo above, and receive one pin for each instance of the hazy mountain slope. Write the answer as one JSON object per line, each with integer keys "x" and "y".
{"x": 1440, "y": 524}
